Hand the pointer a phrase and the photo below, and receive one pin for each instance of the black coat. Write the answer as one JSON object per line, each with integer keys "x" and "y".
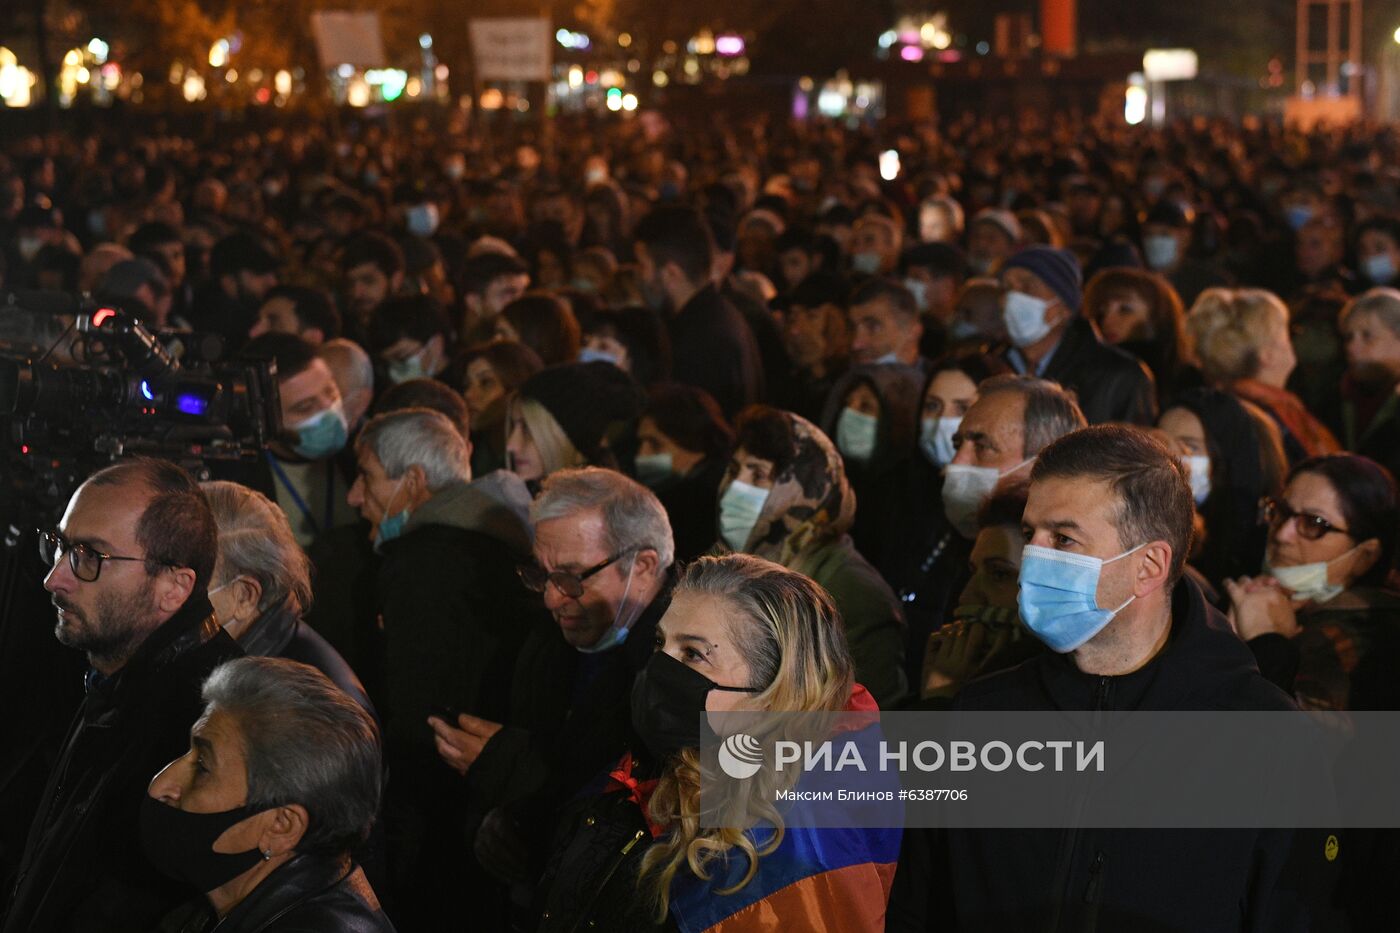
{"x": 713, "y": 348}
{"x": 83, "y": 868}
{"x": 692, "y": 504}
{"x": 1110, "y": 384}
{"x": 571, "y": 720}
{"x": 309, "y": 894}
{"x": 591, "y": 882}
{"x": 1201, "y": 881}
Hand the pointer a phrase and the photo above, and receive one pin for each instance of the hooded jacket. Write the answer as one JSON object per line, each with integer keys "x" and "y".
{"x": 803, "y": 526}
{"x": 83, "y": 867}
{"x": 1201, "y": 881}
{"x": 879, "y": 482}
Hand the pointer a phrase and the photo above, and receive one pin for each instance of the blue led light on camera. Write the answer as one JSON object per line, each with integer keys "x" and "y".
{"x": 146, "y": 390}
{"x": 192, "y": 404}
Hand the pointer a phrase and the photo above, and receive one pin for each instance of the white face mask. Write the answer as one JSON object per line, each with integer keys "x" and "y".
{"x": 739, "y": 510}
{"x": 889, "y": 359}
{"x": 1025, "y": 318}
{"x": 423, "y": 219}
{"x": 1308, "y": 582}
{"x": 857, "y": 434}
{"x": 919, "y": 289}
{"x": 936, "y": 439}
{"x": 1160, "y": 251}
{"x": 1198, "y": 468}
{"x": 965, "y": 488}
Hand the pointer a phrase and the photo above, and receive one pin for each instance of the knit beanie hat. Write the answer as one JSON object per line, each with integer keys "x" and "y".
{"x": 1057, "y": 268}
{"x": 586, "y": 399}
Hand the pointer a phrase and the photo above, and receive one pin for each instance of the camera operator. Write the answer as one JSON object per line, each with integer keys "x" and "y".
{"x": 131, "y": 562}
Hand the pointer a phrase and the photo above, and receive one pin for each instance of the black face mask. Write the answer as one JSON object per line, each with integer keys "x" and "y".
{"x": 668, "y": 700}
{"x": 181, "y": 844}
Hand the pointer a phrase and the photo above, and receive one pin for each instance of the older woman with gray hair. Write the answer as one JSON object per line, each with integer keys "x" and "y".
{"x": 281, "y": 781}
{"x": 1371, "y": 388}
{"x": 261, "y": 586}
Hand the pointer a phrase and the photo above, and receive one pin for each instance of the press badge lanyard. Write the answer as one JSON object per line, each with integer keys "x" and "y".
{"x": 296, "y": 496}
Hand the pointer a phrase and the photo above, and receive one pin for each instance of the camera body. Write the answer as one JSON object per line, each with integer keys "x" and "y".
{"x": 116, "y": 390}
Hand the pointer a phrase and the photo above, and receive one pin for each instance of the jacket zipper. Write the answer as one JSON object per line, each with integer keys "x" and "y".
{"x": 607, "y": 876}
{"x": 1065, "y": 863}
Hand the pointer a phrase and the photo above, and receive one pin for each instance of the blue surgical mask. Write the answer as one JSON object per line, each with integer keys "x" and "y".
{"x": 1198, "y": 468}
{"x": 1025, "y": 318}
{"x": 936, "y": 439}
{"x": 1059, "y": 596}
{"x": 739, "y": 511}
{"x": 410, "y": 367}
{"x": 323, "y": 434}
{"x": 391, "y": 525}
{"x": 857, "y": 434}
{"x": 1160, "y": 251}
{"x": 423, "y": 219}
{"x": 1297, "y": 216}
{"x": 1379, "y": 269}
{"x": 888, "y": 359}
{"x": 654, "y": 469}
{"x": 919, "y": 289}
{"x": 590, "y": 355}
{"x": 867, "y": 263}
{"x": 617, "y": 632}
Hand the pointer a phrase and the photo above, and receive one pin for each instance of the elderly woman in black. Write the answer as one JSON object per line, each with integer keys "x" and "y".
{"x": 281, "y": 782}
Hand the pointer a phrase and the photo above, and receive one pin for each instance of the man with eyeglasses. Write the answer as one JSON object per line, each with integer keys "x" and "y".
{"x": 604, "y": 554}
{"x": 131, "y": 561}
{"x": 453, "y": 615}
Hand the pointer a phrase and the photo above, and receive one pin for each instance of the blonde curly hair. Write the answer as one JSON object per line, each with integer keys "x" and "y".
{"x": 790, "y": 632}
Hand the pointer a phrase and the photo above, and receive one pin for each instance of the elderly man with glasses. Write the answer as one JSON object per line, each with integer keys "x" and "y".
{"x": 131, "y": 562}
{"x": 603, "y": 560}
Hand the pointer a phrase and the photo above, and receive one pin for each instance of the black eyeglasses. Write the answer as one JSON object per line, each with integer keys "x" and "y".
{"x": 1309, "y": 526}
{"x": 570, "y": 584}
{"x": 85, "y": 560}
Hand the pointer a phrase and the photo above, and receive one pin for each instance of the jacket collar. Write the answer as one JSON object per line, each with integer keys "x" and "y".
{"x": 301, "y": 878}
{"x": 271, "y": 632}
{"x": 1199, "y": 667}
{"x": 191, "y": 626}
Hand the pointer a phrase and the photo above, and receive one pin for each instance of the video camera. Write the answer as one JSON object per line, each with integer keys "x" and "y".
{"x": 108, "y": 388}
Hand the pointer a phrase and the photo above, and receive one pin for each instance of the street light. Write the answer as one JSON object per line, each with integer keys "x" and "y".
{"x": 1397, "y": 35}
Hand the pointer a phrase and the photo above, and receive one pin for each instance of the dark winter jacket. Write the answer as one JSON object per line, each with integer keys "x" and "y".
{"x": 713, "y": 348}
{"x": 309, "y": 894}
{"x": 83, "y": 868}
{"x": 1199, "y": 881}
{"x": 1109, "y": 384}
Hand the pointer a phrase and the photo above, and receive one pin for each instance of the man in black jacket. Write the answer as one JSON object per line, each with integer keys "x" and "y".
{"x": 1051, "y": 339}
{"x": 454, "y": 616}
{"x": 131, "y": 562}
{"x": 1112, "y": 493}
{"x": 604, "y": 554}
{"x": 712, "y": 345}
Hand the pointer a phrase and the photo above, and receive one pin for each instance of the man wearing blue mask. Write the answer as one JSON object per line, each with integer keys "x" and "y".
{"x": 411, "y": 336}
{"x": 885, "y": 324}
{"x": 1166, "y": 246}
{"x": 307, "y": 471}
{"x": 1051, "y": 339}
{"x": 603, "y": 560}
{"x": 1108, "y": 528}
{"x": 454, "y": 616}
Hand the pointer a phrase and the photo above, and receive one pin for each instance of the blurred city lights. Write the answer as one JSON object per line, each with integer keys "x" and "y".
{"x": 629, "y": 102}
{"x": 729, "y": 45}
{"x": 624, "y": 39}
{"x": 1135, "y": 105}
{"x": 282, "y": 81}
{"x": 193, "y": 87}
{"x": 218, "y": 54}
{"x": 357, "y": 93}
{"x": 911, "y": 53}
{"x": 492, "y": 99}
{"x": 99, "y": 50}
{"x": 572, "y": 40}
{"x": 425, "y": 41}
{"x": 660, "y": 78}
{"x": 614, "y": 98}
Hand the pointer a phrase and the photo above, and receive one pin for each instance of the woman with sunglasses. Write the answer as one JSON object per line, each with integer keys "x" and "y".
{"x": 1321, "y": 617}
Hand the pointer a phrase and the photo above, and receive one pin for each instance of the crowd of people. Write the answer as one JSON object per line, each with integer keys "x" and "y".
{"x": 586, "y": 433}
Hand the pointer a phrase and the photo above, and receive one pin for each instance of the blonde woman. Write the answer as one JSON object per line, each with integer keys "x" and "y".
{"x": 1243, "y": 344}
{"x": 742, "y": 633}
{"x": 565, "y": 416}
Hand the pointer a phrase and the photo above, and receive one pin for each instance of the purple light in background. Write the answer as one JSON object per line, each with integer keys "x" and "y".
{"x": 729, "y": 45}
{"x": 909, "y": 37}
{"x": 911, "y": 53}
